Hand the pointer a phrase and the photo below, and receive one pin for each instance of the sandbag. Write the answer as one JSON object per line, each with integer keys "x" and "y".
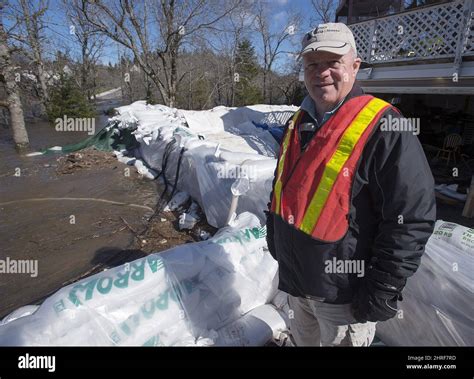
{"x": 165, "y": 299}
{"x": 437, "y": 302}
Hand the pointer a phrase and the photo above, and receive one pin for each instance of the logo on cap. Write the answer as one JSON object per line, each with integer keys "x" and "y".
{"x": 335, "y": 38}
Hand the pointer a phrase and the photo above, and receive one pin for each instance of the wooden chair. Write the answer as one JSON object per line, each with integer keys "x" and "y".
{"x": 451, "y": 145}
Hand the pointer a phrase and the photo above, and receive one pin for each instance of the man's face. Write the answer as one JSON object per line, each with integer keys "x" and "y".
{"x": 329, "y": 77}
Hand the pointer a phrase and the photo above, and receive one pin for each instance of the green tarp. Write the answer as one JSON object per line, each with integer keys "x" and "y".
{"x": 107, "y": 139}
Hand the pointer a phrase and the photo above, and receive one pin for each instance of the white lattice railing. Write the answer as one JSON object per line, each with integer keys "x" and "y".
{"x": 440, "y": 31}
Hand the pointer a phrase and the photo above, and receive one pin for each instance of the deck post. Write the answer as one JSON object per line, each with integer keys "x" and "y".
{"x": 463, "y": 35}
{"x": 373, "y": 41}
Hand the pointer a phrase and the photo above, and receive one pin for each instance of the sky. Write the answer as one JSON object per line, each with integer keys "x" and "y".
{"x": 279, "y": 17}
{"x": 58, "y": 30}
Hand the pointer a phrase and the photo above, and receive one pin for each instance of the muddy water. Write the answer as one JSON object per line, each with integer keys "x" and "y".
{"x": 42, "y": 219}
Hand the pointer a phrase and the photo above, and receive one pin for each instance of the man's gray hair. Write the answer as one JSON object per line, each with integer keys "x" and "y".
{"x": 353, "y": 53}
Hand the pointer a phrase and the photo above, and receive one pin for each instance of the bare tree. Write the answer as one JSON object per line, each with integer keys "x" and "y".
{"x": 32, "y": 19}
{"x": 291, "y": 88}
{"x": 155, "y": 31}
{"x": 7, "y": 77}
{"x": 272, "y": 44}
{"x": 325, "y": 9}
{"x": 238, "y": 25}
{"x": 92, "y": 44}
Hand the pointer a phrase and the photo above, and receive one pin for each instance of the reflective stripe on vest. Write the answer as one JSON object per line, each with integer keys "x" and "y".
{"x": 315, "y": 198}
{"x": 286, "y": 141}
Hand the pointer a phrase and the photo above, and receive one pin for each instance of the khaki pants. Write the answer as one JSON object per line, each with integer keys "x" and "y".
{"x": 320, "y": 324}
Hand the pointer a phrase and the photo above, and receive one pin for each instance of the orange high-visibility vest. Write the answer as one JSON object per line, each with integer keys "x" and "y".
{"x": 312, "y": 190}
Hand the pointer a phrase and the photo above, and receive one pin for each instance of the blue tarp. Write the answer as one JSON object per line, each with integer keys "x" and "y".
{"x": 275, "y": 131}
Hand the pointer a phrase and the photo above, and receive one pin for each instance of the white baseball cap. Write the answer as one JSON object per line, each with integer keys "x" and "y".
{"x": 335, "y": 38}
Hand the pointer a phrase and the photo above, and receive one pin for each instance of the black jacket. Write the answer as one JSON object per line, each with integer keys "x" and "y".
{"x": 392, "y": 215}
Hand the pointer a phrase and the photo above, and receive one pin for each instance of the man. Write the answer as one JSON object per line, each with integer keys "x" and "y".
{"x": 352, "y": 205}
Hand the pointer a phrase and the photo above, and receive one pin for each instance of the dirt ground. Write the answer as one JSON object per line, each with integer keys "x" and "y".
{"x": 115, "y": 221}
{"x": 160, "y": 230}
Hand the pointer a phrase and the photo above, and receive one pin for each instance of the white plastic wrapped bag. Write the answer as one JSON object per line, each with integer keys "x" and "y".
{"x": 168, "y": 299}
{"x": 437, "y": 309}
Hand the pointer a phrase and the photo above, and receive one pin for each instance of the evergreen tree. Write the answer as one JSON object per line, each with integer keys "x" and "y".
{"x": 247, "y": 68}
{"x": 68, "y": 100}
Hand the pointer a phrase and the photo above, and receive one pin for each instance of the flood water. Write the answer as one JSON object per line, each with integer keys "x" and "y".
{"x": 42, "y": 218}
